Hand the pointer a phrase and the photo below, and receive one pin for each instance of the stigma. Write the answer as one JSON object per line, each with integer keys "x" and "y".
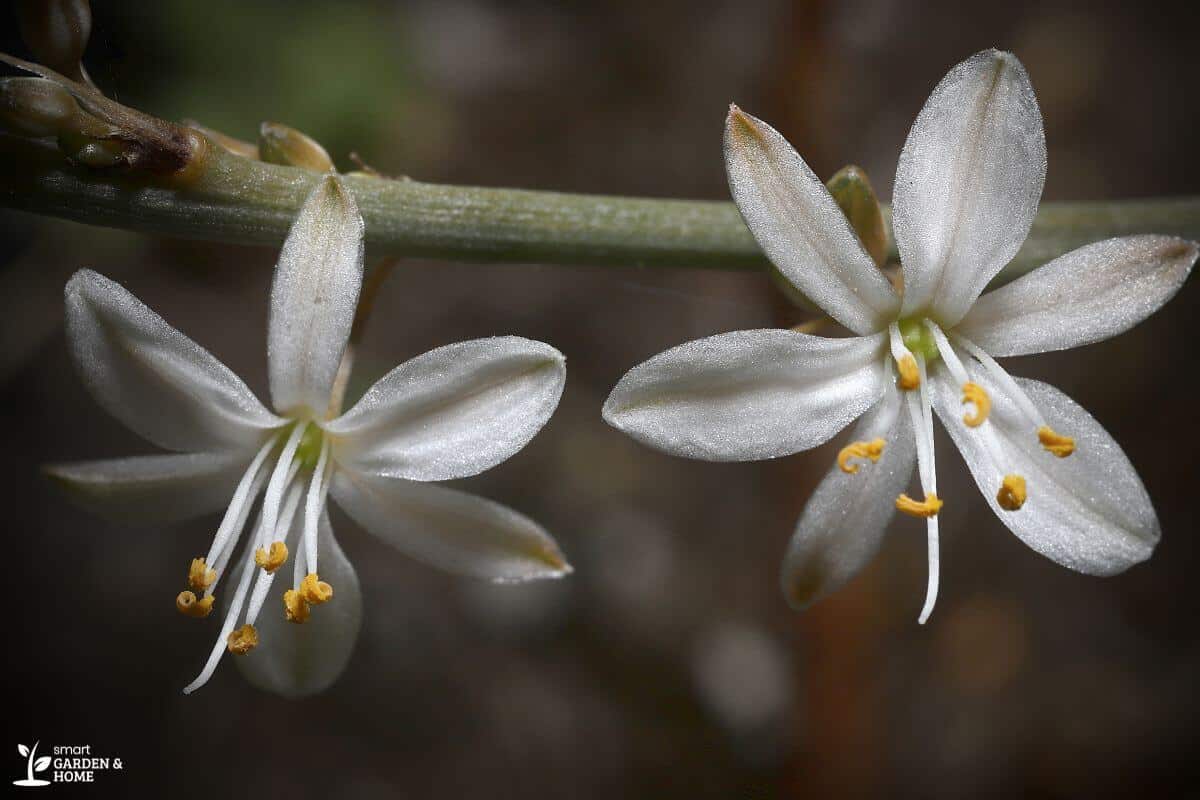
{"x": 929, "y": 507}
{"x": 872, "y": 450}
{"x": 974, "y": 393}
{"x": 1056, "y": 443}
{"x": 1012, "y": 493}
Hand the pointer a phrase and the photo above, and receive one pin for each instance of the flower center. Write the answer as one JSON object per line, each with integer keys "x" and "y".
{"x": 918, "y": 338}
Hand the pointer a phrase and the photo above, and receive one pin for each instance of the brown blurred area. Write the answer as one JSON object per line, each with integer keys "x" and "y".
{"x": 669, "y": 664}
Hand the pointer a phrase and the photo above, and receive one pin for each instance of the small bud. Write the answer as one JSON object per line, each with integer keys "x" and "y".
{"x": 57, "y": 33}
{"x": 855, "y": 196}
{"x": 224, "y": 140}
{"x": 279, "y": 144}
{"x": 93, "y": 152}
{"x": 35, "y": 107}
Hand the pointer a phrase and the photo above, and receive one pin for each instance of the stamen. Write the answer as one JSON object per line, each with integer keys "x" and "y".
{"x": 273, "y": 560}
{"x": 286, "y": 522}
{"x": 295, "y": 608}
{"x": 872, "y": 450}
{"x": 1056, "y": 443}
{"x": 235, "y": 608}
{"x": 200, "y": 577}
{"x": 313, "y": 503}
{"x": 314, "y": 590}
{"x": 243, "y": 640}
{"x": 241, "y": 498}
{"x": 974, "y": 393}
{"x": 906, "y": 363}
{"x": 929, "y": 507}
{"x": 239, "y": 524}
{"x": 278, "y": 483}
{"x": 1012, "y": 493}
{"x": 189, "y": 606}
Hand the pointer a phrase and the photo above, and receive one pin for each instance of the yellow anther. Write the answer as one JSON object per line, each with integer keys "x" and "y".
{"x": 925, "y": 509}
{"x": 314, "y": 590}
{"x": 295, "y": 608}
{"x": 1056, "y": 443}
{"x": 910, "y": 374}
{"x": 243, "y": 640}
{"x": 189, "y": 606}
{"x": 1012, "y": 493}
{"x": 872, "y": 450}
{"x": 974, "y": 393}
{"x": 200, "y": 577}
{"x": 273, "y": 560}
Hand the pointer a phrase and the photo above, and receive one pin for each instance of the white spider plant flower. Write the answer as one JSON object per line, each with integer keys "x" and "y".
{"x": 966, "y": 192}
{"x": 452, "y": 412}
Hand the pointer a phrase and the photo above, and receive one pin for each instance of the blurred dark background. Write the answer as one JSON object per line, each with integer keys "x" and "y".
{"x": 669, "y": 664}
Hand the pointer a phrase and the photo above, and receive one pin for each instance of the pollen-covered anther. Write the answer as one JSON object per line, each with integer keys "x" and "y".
{"x": 974, "y": 393}
{"x": 872, "y": 450}
{"x": 910, "y": 374}
{"x": 1056, "y": 443}
{"x": 1012, "y": 493}
{"x": 273, "y": 560}
{"x": 929, "y": 507}
{"x": 243, "y": 640}
{"x": 295, "y": 607}
{"x": 189, "y": 606}
{"x": 200, "y": 577}
{"x": 315, "y": 590}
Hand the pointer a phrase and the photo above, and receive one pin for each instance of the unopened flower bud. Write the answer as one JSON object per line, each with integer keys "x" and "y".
{"x": 224, "y": 140}
{"x": 279, "y": 144}
{"x": 856, "y": 197}
{"x": 57, "y": 32}
{"x": 35, "y": 107}
{"x": 93, "y": 152}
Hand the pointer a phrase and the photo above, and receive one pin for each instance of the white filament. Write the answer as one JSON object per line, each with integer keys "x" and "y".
{"x": 921, "y": 413}
{"x": 241, "y": 497}
{"x": 275, "y": 488}
{"x": 313, "y": 504}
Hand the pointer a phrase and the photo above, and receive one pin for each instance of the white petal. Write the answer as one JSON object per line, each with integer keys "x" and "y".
{"x": 843, "y": 522}
{"x": 1089, "y": 511}
{"x": 748, "y": 395}
{"x": 451, "y": 530}
{"x": 152, "y": 489}
{"x": 296, "y": 660}
{"x": 313, "y": 299}
{"x": 799, "y": 226}
{"x": 151, "y": 377}
{"x": 968, "y": 184}
{"x": 454, "y": 411}
{"x": 1085, "y": 296}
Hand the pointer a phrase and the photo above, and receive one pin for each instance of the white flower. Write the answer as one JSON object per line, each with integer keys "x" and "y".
{"x": 452, "y": 412}
{"x": 966, "y": 192}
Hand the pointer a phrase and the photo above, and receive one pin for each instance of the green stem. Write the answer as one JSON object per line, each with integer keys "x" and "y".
{"x": 230, "y": 198}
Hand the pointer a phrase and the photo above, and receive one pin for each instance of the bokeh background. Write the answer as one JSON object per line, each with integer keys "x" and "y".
{"x": 669, "y": 664}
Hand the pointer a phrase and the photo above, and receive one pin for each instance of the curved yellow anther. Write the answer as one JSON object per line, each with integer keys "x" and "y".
{"x": 295, "y": 607}
{"x": 1056, "y": 443}
{"x": 243, "y": 640}
{"x": 925, "y": 509}
{"x": 200, "y": 577}
{"x": 974, "y": 393}
{"x": 189, "y": 606}
{"x": 314, "y": 590}
{"x": 872, "y": 450}
{"x": 1012, "y": 493}
{"x": 273, "y": 560}
{"x": 910, "y": 374}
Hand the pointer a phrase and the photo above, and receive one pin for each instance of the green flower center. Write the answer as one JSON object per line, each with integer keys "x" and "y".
{"x": 309, "y": 449}
{"x": 918, "y": 339}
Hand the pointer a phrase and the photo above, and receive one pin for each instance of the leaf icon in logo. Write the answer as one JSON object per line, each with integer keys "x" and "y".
{"x": 41, "y": 763}
{"x": 23, "y": 750}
